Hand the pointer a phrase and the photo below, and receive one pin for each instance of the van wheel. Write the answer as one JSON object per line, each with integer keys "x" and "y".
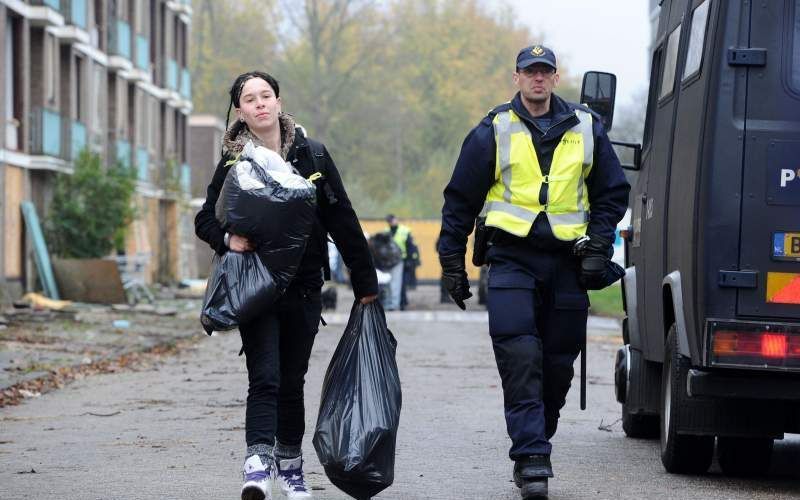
{"x": 744, "y": 457}
{"x": 680, "y": 453}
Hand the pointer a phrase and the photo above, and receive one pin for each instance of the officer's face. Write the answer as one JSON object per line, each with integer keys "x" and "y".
{"x": 536, "y": 82}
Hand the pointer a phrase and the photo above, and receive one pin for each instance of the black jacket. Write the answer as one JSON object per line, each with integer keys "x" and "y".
{"x": 334, "y": 216}
{"x": 474, "y": 174}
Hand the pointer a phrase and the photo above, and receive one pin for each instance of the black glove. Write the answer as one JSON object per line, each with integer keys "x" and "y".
{"x": 454, "y": 276}
{"x": 594, "y": 252}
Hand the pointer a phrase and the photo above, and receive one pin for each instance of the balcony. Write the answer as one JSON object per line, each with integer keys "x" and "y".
{"x": 143, "y": 164}
{"x": 172, "y": 74}
{"x": 44, "y": 13}
{"x": 45, "y": 133}
{"x": 123, "y": 153}
{"x": 74, "y": 12}
{"x": 53, "y": 4}
{"x": 186, "y": 84}
{"x": 119, "y": 39}
{"x": 142, "y": 52}
{"x": 186, "y": 178}
{"x": 77, "y": 139}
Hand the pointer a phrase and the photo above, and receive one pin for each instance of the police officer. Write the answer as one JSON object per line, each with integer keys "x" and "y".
{"x": 541, "y": 176}
{"x": 401, "y": 234}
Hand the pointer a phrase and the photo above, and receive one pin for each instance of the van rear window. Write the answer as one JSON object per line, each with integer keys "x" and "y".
{"x": 796, "y": 47}
{"x": 697, "y": 36}
{"x": 670, "y": 62}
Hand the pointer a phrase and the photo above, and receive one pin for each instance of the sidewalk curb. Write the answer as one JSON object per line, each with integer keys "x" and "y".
{"x": 339, "y": 318}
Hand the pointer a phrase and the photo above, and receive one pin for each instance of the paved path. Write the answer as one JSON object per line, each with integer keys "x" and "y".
{"x": 175, "y": 431}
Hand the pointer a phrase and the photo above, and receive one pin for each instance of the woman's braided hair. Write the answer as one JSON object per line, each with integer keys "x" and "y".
{"x": 236, "y": 93}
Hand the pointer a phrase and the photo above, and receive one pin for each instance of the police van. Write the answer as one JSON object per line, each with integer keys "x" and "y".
{"x": 712, "y": 288}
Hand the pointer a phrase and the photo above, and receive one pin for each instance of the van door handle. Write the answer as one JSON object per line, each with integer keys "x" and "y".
{"x": 739, "y": 56}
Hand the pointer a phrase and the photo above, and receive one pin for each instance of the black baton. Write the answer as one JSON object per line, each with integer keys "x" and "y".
{"x": 583, "y": 376}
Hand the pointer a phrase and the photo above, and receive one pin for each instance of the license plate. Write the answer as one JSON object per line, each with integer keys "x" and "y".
{"x": 786, "y": 246}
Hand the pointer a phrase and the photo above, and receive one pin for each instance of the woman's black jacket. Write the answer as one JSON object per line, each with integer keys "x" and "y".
{"x": 334, "y": 216}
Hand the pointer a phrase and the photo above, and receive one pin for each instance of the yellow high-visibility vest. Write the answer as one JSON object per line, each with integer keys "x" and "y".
{"x": 512, "y": 203}
{"x": 401, "y": 237}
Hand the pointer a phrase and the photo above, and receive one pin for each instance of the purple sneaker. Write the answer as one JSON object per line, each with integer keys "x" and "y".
{"x": 257, "y": 480}
{"x": 291, "y": 478}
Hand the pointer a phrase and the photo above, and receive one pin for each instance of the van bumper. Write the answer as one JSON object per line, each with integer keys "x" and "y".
{"x": 743, "y": 386}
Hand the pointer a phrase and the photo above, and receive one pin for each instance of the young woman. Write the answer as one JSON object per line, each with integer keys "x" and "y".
{"x": 277, "y": 345}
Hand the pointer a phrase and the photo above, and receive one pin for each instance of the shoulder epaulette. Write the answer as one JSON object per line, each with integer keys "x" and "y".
{"x": 499, "y": 109}
{"x": 586, "y": 109}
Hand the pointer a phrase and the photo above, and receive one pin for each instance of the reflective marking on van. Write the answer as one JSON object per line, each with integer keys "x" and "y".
{"x": 783, "y": 288}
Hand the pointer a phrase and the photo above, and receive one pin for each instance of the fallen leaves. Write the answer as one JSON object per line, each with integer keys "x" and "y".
{"x": 58, "y": 378}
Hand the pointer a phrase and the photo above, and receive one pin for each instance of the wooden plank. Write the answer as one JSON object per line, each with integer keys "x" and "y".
{"x": 12, "y": 217}
{"x": 89, "y": 280}
{"x": 40, "y": 253}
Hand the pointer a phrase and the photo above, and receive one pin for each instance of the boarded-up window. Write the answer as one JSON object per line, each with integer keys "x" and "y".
{"x": 98, "y": 102}
{"x": 12, "y": 221}
{"x": 51, "y": 68}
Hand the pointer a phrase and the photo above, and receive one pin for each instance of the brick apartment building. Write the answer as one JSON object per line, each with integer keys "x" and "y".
{"x": 110, "y": 76}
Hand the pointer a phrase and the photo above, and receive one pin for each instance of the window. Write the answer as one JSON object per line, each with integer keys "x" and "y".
{"x": 796, "y": 47}
{"x": 694, "y": 56}
{"x": 651, "y": 98}
{"x": 670, "y": 61}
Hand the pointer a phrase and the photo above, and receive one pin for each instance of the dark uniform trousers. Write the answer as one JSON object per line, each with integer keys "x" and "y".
{"x": 278, "y": 345}
{"x": 537, "y": 322}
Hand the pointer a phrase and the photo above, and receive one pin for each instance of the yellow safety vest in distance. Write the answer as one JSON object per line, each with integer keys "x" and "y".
{"x": 401, "y": 237}
{"x": 512, "y": 203}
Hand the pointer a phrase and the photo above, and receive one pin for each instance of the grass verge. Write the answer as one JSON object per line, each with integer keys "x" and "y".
{"x": 607, "y": 302}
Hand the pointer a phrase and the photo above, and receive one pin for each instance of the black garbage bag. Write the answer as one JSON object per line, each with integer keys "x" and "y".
{"x": 263, "y": 200}
{"x": 385, "y": 252}
{"x": 360, "y": 407}
{"x": 237, "y": 290}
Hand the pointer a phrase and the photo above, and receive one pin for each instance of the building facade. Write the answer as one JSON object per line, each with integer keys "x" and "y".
{"x": 110, "y": 76}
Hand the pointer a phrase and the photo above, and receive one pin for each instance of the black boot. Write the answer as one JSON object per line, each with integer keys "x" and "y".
{"x": 530, "y": 476}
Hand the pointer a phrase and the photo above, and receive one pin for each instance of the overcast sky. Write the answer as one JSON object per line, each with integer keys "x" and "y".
{"x": 603, "y": 35}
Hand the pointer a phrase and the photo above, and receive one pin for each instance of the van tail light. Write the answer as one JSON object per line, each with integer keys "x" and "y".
{"x": 755, "y": 345}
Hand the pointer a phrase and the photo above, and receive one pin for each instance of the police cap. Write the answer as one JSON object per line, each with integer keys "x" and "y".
{"x": 536, "y": 54}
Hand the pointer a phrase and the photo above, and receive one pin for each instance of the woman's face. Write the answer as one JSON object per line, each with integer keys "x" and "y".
{"x": 258, "y": 105}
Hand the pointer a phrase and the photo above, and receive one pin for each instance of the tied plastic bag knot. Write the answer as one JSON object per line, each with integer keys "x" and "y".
{"x": 359, "y": 411}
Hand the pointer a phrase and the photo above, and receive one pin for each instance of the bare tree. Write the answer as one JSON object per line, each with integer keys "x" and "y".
{"x": 339, "y": 40}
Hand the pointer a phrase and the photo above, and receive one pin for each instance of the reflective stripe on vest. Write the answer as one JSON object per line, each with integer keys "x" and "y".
{"x": 401, "y": 238}
{"x": 512, "y": 203}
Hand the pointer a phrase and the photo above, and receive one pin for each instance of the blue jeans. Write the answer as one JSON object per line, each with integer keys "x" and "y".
{"x": 395, "y": 287}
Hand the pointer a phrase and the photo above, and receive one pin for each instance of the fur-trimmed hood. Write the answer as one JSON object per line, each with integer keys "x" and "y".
{"x": 238, "y": 135}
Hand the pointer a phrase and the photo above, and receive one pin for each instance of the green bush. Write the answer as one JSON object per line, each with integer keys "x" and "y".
{"x": 90, "y": 209}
